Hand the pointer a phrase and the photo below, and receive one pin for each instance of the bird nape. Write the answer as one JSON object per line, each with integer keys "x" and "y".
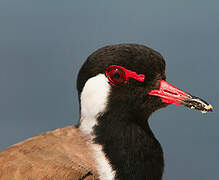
{"x": 119, "y": 87}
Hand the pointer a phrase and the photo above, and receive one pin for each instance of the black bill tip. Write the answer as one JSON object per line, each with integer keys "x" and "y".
{"x": 198, "y": 104}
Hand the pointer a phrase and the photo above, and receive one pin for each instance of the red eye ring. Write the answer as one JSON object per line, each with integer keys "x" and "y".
{"x": 118, "y": 75}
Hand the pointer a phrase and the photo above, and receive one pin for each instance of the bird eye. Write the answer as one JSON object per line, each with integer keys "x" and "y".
{"x": 116, "y": 76}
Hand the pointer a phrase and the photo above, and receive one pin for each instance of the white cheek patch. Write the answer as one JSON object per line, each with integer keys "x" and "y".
{"x": 94, "y": 98}
{"x": 93, "y": 101}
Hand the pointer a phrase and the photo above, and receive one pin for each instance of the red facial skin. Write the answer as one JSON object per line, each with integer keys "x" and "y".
{"x": 118, "y": 76}
{"x": 126, "y": 74}
{"x": 167, "y": 92}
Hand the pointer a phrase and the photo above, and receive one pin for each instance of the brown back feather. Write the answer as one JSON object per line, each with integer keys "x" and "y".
{"x": 61, "y": 154}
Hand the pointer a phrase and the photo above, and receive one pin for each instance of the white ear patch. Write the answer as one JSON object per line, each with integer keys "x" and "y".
{"x": 93, "y": 101}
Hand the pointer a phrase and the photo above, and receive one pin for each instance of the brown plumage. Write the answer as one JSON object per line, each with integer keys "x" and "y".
{"x": 115, "y": 108}
{"x": 59, "y": 154}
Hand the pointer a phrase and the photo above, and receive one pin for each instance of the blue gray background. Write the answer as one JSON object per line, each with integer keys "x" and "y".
{"x": 43, "y": 43}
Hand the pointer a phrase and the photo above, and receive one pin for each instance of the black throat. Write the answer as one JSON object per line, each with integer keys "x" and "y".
{"x": 129, "y": 144}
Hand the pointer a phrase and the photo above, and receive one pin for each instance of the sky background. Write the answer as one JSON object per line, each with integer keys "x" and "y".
{"x": 43, "y": 43}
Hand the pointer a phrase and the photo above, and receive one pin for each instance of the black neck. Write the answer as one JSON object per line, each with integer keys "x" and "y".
{"x": 130, "y": 145}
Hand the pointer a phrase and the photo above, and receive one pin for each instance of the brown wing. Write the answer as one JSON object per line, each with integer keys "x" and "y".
{"x": 62, "y": 154}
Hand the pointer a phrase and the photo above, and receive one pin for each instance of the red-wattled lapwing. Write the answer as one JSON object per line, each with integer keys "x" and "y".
{"x": 119, "y": 87}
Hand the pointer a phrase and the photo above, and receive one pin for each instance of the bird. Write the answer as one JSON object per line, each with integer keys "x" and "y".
{"x": 119, "y": 87}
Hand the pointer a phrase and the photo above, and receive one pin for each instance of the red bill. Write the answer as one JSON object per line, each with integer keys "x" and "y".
{"x": 172, "y": 95}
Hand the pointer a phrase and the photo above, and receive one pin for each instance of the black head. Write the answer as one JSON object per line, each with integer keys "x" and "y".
{"x": 141, "y": 97}
{"x": 115, "y": 109}
{"x": 137, "y": 58}
{"x": 118, "y": 114}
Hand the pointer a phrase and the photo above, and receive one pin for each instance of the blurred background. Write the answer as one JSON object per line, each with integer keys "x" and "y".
{"x": 43, "y": 44}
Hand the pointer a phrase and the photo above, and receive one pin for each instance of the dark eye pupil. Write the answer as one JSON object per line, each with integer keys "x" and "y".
{"x": 117, "y": 75}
